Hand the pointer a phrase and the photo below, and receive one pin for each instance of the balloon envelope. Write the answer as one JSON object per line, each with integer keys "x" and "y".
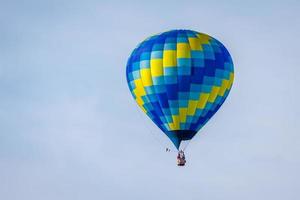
{"x": 180, "y": 78}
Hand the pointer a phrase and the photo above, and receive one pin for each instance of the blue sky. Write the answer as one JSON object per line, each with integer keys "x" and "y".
{"x": 69, "y": 128}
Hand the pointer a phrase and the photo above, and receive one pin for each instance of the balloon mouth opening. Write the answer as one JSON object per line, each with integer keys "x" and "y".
{"x": 177, "y": 136}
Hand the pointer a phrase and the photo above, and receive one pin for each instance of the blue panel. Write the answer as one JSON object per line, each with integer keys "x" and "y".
{"x": 156, "y": 54}
{"x": 184, "y": 71}
{"x": 183, "y": 103}
{"x": 158, "y": 47}
{"x": 197, "y": 54}
{"x": 159, "y": 80}
{"x": 170, "y": 71}
{"x": 184, "y": 83}
{"x": 184, "y": 62}
{"x": 170, "y": 80}
{"x": 144, "y": 64}
{"x": 194, "y": 95}
{"x": 170, "y": 46}
{"x": 145, "y": 56}
{"x": 172, "y": 91}
{"x": 207, "y": 80}
{"x": 183, "y": 95}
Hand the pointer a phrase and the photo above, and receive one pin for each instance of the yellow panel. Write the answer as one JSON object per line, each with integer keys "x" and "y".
{"x": 230, "y": 80}
{"x": 202, "y": 100}
{"x": 156, "y": 67}
{"x": 175, "y": 124}
{"x": 171, "y": 126}
{"x": 139, "y": 101}
{"x": 192, "y": 107}
{"x": 176, "y": 121}
{"x": 213, "y": 94}
{"x": 139, "y": 91}
{"x": 146, "y": 77}
{"x": 223, "y": 88}
{"x": 169, "y": 58}
{"x": 204, "y": 39}
{"x": 183, "y": 50}
{"x": 195, "y": 44}
{"x": 226, "y": 84}
{"x": 182, "y": 114}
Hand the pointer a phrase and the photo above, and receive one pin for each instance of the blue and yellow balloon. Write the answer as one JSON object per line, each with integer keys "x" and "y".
{"x": 180, "y": 79}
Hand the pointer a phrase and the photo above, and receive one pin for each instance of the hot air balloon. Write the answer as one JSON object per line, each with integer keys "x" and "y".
{"x": 180, "y": 79}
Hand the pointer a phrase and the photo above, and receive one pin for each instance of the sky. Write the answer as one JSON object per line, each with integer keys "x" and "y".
{"x": 70, "y": 129}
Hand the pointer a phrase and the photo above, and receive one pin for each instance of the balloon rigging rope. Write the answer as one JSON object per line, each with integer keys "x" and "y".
{"x": 186, "y": 145}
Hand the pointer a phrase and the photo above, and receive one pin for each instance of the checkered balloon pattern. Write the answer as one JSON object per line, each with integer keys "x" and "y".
{"x": 180, "y": 78}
